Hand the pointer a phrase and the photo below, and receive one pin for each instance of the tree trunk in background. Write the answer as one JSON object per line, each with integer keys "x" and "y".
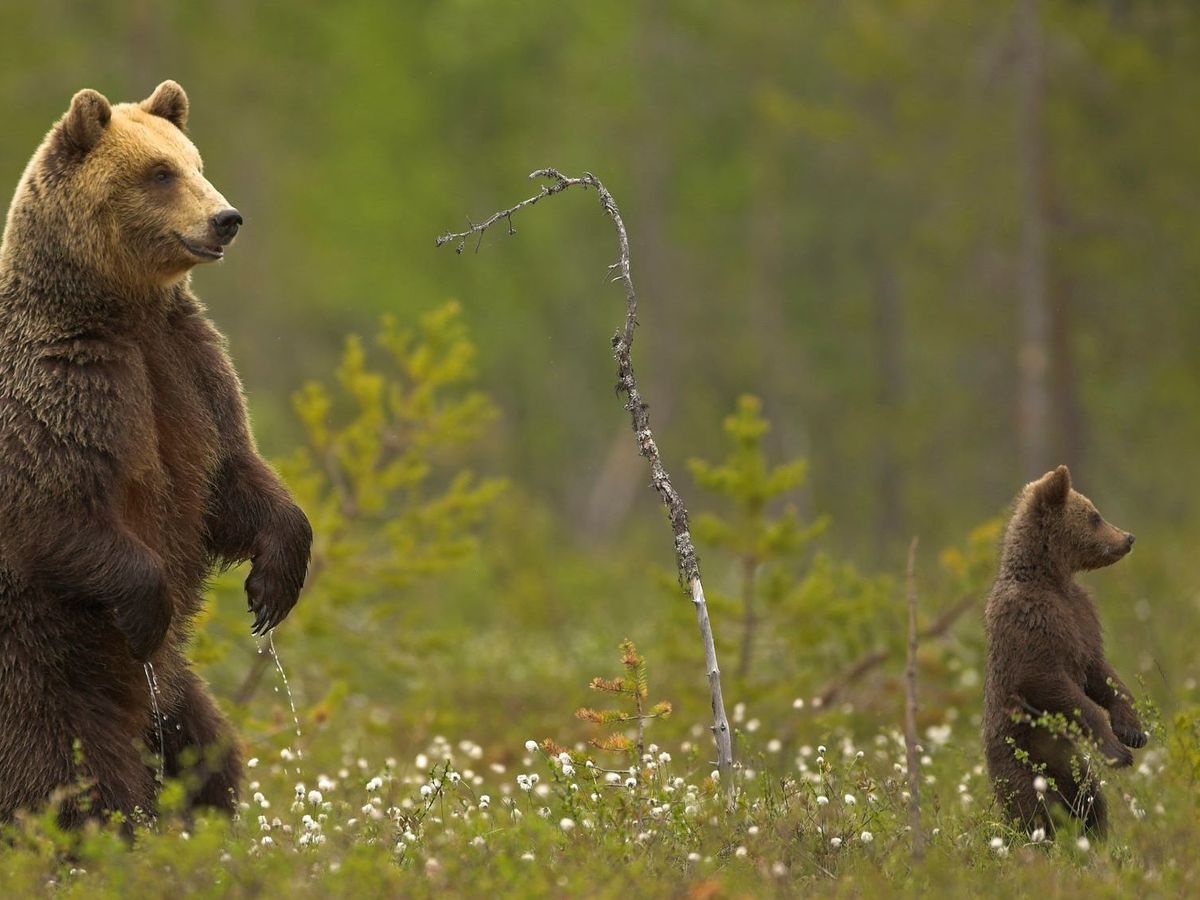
{"x": 784, "y": 371}
{"x": 1070, "y": 434}
{"x": 660, "y": 276}
{"x": 1033, "y": 355}
{"x": 889, "y": 343}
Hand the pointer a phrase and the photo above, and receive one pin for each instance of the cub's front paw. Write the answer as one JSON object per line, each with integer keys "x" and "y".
{"x": 144, "y": 614}
{"x": 278, "y": 568}
{"x": 1131, "y": 736}
{"x": 1118, "y": 756}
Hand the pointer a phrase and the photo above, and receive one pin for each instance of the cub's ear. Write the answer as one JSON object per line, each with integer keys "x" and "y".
{"x": 170, "y": 102}
{"x": 84, "y": 124}
{"x": 1053, "y": 488}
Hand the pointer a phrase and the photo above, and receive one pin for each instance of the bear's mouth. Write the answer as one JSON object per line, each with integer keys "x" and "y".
{"x": 204, "y": 251}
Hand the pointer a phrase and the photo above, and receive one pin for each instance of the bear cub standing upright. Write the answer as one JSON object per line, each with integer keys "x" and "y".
{"x": 1046, "y": 655}
{"x": 127, "y": 469}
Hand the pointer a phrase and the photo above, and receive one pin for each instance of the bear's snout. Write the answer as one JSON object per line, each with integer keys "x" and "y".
{"x": 225, "y": 224}
{"x": 1129, "y": 539}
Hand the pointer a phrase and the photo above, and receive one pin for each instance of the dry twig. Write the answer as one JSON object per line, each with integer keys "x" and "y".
{"x": 910, "y": 712}
{"x": 622, "y": 345}
{"x": 872, "y": 659}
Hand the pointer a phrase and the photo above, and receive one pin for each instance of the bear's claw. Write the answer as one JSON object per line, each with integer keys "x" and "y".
{"x": 1132, "y": 737}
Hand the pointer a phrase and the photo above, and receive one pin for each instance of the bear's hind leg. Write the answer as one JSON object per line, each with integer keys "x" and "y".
{"x": 113, "y": 779}
{"x": 1023, "y": 805}
{"x": 200, "y": 748}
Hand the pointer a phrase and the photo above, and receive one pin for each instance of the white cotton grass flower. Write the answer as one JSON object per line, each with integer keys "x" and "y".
{"x": 866, "y": 837}
{"x": 1083, "y": 844}
{"x": 1038, "y": 835}
{"x": 375, "y": 783}
{"x": 1040, "y": 784}
{"x": 566, "y": 824}
{"x": 850, "y": 799}
{"x": 822, "y": 800}
{"x": 531, "y": 746}
{"x": 835, "y": 842}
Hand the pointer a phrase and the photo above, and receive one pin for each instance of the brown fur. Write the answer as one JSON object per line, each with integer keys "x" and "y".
{"x": 1046, "y": 654}
{"x": 127, "y": 468}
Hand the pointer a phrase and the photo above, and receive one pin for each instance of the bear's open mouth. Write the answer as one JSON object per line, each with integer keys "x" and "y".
{"x": 204, "y": 251}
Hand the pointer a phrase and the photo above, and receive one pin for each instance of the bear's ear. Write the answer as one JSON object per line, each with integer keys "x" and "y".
{"x": 170, "y": 102}
{"x": 85, "y": 121}
{"x": 1053, "y": 488}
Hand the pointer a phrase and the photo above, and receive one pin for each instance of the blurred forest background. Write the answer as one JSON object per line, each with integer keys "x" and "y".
{"x": 948, "y": 245}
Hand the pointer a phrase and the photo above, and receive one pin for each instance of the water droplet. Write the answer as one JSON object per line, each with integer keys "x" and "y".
{"x": 152, "y": 683}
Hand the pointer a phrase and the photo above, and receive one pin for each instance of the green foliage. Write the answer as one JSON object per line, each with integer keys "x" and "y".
{"x": 381, "y": 479}
{"x": 761, "y": 543}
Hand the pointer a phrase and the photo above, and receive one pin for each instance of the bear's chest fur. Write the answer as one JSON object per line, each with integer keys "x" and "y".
{"x": 174, "y": 448}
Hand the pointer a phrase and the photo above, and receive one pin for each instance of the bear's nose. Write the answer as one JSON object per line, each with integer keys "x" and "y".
{"x": 226, "y": 223}
{"x": 1129, "y": 538}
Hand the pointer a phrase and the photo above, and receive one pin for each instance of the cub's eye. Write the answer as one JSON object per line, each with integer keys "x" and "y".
{"x": 162, "y": 175}
{"x": 1095, "y": 519}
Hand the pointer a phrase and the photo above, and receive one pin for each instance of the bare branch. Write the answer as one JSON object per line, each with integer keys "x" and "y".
{"x": 872, "y": 659}
{"x": 622, "y": 344}
{"x": 910, "y": 712}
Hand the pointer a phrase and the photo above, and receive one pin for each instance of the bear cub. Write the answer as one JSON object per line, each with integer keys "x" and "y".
{"x": 1045, "y": 655}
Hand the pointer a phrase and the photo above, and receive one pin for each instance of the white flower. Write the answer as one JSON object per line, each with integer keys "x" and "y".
{"x": 778, "y": 870}
{"x": 267, "y": 841}
{"x": 454, "y": 777}
{"x": 1083, "y": 844}
{"x": 821, "y": 749}
{"x": 693, "y": 856}
{"x": 798, "y": 703}
{"x": 631, "y": 783}
{"x": 835, "y": 842}
{"x": 996, "y": 842}
{"x": 426, "y": 790}
{"x": 315, "y": 797}
{"x": 739, "y": 852}
{"x": 822, "y": 800}
{"x": 527, "y": 857}
{"x": 612, "y": 778}
{"x": 1039, "y": 784}
{"x": 375, "y": 783}
{"x": 774, "y": 745}
{"x": 866, "y": 837}
{"x": 1038, "y": 835}
{"x": 478, "y": 841}
{"x": 850, "y": 800}
{"x": 566, "y": 824}
{"x": 531, "y": 746}
{"x": 568, "y": 770}
{"x": 715, "y": 776}
{"x": 664, "y": 757}
{"x": 523, "y": 782}
{"x": 252, "y": 763}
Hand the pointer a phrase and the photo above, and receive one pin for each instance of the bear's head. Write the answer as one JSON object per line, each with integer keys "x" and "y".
{"x": 1065, "y": 524}
{"x": 120, "y": 190}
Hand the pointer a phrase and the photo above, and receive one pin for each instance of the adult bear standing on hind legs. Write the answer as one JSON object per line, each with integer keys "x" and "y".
{"x": 127, "y": 468}
{"x": 1046, "y": 656}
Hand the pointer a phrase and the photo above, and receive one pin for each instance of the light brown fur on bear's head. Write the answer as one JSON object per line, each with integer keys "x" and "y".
{"x": 119, "y": 192}
{"x": 1056, "y": 531}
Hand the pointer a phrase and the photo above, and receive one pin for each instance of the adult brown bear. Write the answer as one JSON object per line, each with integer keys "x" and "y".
{"x": 127, "y": 468}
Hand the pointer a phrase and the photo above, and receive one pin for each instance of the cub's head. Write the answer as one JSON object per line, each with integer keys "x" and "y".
{"x": 1070, "y": 525}
{"x": 122, "y": 191}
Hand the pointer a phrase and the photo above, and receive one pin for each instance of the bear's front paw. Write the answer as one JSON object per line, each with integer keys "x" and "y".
{"x": 278, "y": 570}
{"x": 1118, "y": 756}
{"x": 144, "y": 615}
{"x": 1131, "y": 737}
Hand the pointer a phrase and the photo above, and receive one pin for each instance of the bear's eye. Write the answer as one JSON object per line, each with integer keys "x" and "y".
{"x": 1095, "y": 519}
{"x": 162, "y": 175}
